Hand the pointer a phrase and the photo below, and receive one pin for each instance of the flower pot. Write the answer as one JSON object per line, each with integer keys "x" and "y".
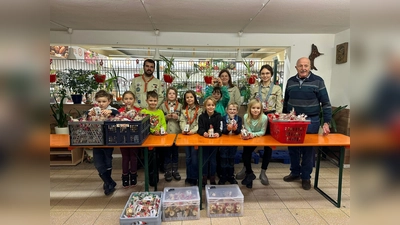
{"x": 252, "y": 79}
{"x": 136, "y": 75}
{"x": 100, "y": 78}
{"x": 208, "y": 79}
{"x": 77, "y": 99}
{"x": 52, "y": 78}
{"x": 168, "y": 78}
{"x": 61, "y": 130}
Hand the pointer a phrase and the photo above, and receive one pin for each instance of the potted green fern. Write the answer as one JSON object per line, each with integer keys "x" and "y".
{"x": 60, "y": 116}
{"x": 112, "y": 83}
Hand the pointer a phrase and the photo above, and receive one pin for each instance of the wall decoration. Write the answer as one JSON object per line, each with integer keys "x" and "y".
{"x": 341, "y": 53}
{"x": 314, "y": 54}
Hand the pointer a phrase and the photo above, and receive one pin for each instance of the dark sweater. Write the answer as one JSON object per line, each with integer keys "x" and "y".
{"x": 225, "y": 123}
{"x": 205, "y": 121}
{"x": 307, "y": 98}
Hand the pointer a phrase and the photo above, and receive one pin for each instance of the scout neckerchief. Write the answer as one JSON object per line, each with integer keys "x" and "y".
{"x": 146, "y": 82}
{"x": 269, "y": 92}
{"x": 169, "y": 108}
{"x": 190, "y": 121}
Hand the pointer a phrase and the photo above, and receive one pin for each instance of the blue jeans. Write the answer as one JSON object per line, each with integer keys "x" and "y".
{"x": 192, "y": 168}
{"x": 209, "y": 160}
{"x": 171, "y": 154}
{"x": 102, "y": 159}
{"x": 304, "y": 153}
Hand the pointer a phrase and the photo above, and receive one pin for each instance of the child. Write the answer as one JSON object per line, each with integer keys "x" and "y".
{"x": 220, "y": 94}
{"x": 210, "y": 123}
{"x": 172, "y": 109}
{"x": 191, "y": 111}
{"x": 129, "y": 155}
{"x": 103, "y": 156}
{"x": 255, "y": 122}
{"x": 157, "y": 124}
{"x": 232, "y": 124}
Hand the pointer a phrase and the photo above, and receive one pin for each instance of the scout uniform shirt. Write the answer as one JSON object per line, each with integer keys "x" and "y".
{"x": 140, "y": 88}
{"x": 190, "y": 116}
{"x": 274, "y": 101}
{"x": 172, "y": 124}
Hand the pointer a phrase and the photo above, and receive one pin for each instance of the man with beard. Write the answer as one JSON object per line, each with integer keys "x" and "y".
{"x": 145, "y": 83}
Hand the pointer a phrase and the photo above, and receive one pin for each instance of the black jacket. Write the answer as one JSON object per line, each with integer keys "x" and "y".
{"x": 205, "y": 121}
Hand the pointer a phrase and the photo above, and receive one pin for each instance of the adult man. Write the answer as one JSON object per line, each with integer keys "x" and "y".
{"x": 306, "y": 93}
{"x": 145, "y": 83}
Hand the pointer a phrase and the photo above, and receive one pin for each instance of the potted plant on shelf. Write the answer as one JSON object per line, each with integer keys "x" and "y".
{"x": 79, "y": 82}
{"x": 169, "y": 74}
{"x": 113, "y": 83}
{"x": 251, "y": 78}
{"x": 208, "y": 69}
{"x": 60, "y": 116}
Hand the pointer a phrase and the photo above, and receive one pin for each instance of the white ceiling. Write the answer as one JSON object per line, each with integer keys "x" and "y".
{"x": 204, "y": 16}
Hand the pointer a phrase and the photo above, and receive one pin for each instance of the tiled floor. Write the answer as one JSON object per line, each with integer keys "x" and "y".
{"x": 76, "y": 197}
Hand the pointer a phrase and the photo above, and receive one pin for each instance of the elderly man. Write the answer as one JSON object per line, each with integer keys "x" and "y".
{"x": 306, "y": 93}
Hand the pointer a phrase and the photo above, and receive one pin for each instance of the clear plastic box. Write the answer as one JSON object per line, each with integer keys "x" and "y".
{"x": 181, "y": 203}
{"x": 154, "y": 218}
{"x": 224, "y": 200}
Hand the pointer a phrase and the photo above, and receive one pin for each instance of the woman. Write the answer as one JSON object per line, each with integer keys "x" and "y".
{"x": 270, "y": 96}
{"x": 233, "y": 90}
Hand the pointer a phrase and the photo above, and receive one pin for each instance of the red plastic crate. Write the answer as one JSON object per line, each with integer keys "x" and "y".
{"x": 288, "y": 131}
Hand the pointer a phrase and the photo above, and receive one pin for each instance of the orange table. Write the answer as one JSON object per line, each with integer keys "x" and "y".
{"x": 234, "y": 140}
{"x": 151, "y": 142}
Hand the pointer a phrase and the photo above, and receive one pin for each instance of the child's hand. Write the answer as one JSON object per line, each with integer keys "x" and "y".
{"x": 106, "y": 112}
{"x": 92, "y": 113}
{"x": 235, "y": 126}
{"x": 229, "y": 127}
{"x": 216, "y": 135}
{"x": 251, "y": 135}
{"x": 175, "y": 116}
{"x": 205, "y": 134}
{"x": 245, "y": 137}
{"x": 156, "y": 132}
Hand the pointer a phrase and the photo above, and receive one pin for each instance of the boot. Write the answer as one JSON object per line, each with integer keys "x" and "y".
{"x": 230, "y": 177}
{"x": 212, "y": 180}
{"x": 133, "y": 179}
{"x": 175, "y": 172}
{"x": 204, "y": 182}
{"x": 248, "y": 179}
{"x": 241, "y": 174}
{"x": 109, "y": 183}
{"x": 168, "y": 172}
{"x": 263, "y": 177}
{"x": 222, "y": 178}
{"x": 125, "y": 180}
{"x": 250, "y": 185}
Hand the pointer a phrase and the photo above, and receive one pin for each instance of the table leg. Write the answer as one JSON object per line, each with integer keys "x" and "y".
{"x": 200, "y": 159}
{"x": 340, "y": 165}
{"x": 146, "y": 169}
{"x": 155, "y": 169}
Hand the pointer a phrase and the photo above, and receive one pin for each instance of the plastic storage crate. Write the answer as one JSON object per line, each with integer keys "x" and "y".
{"x": 288, "y": 131}
{"x": 86, "y": 133}
{"x": 135, "y": 197}
{"x": 181, "y": 203}
{"x": 126, "y": 132}
{"x": 224, "y": 200}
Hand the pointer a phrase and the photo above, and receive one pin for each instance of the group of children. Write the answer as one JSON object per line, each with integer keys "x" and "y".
{"x": 217, "y": 117}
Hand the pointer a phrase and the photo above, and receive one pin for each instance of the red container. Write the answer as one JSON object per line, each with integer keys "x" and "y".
{"x": 288, "y": 131}
{"x": 208, "y": 79}
{"x": 168, "y": 78}
{"x": 52, "y": 78}
{"x": 252, "y": 79}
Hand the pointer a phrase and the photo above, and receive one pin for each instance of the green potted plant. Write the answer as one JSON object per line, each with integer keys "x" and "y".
{"x": 60, "y": 116}
{"x": 112, "y": 83}
{"x": 79, "y": 82}
{"x": 208, "y": 69}
{"x": 169, "y": 74}
{"x": 251, "y": 78}
{"x": 333, "y": 121}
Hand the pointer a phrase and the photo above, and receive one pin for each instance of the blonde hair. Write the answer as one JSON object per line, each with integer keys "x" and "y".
{"x": 234, "y": 104}
{"x": 209, "y": 99}
{"x": 249, "y": 115}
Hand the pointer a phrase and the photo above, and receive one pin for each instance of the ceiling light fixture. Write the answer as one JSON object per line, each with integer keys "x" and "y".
{"x": 156, "y": 32}
{"x": 157, "y": 55}
{"x": 239, "y": 56}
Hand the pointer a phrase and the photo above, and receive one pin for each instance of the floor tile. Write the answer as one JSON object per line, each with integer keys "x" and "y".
{"x": 108, "y": 218}
{"x": 59, "y": 217}
{"x": 83, "y": 218}
{"x": 334, "y": 216}
{"x": 307, "y": 216}
{"x": 280, "y": 217}
{"x": 253, "y": 217}
{"x": 271, "y": 202}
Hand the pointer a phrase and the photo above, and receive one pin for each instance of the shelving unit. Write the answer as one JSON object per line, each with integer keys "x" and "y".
{"x": 65, "y": 157}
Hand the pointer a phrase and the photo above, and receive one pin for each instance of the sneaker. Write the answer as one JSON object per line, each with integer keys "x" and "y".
{"x": 290, "y": 178}
{"x": 232, "y": 180}
{"x": 250, "y": 185}
{"x": 125, "y": 180}
{"x": 306, "y": 184}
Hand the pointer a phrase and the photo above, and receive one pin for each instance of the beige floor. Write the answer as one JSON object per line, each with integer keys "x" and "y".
{"x": 76, "y": 197}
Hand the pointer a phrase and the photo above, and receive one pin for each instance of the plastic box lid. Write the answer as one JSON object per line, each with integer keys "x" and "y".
{"x": 216, "y": 192}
